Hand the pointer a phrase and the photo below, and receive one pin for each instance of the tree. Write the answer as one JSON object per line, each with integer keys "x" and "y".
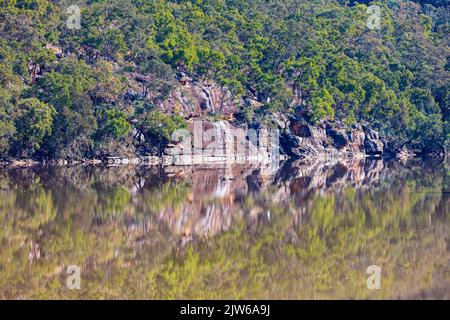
{"x": 7, "y": 130}
{"x": 317, "y": 55}
{"x": 33, "y": 124}
{"x": 69, "y": 87}
{"x": 112, "y": 137}
{"x": 112, "y": 123}
{"x": 112, "y": 43}
{"x": 321, "y": 103}
{"x": 157, "y": 129}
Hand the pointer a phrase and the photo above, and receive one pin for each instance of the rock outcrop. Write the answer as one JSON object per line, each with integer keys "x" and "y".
{"x": 373, "y": 145}
{"x": 193, "y": 98}
{"x": 330, "y": 140}
{"x": 223, "y": 142}
{"x": 196, "y": 99}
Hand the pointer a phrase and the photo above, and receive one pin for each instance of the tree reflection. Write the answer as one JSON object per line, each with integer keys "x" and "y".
{"x": 307, "y": 231}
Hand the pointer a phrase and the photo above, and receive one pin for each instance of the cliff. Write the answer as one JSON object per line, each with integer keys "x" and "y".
{"x": 297, "y": 137}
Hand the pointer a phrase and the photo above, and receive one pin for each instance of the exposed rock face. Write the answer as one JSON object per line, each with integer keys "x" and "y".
{"x": 300, "y": 139}
{"x": 339, "y": 137}
{"x": 373, "y": 144}
{"x": 194, "y": 98}
{"x": 330, "y": 140}
{"x": 222, "y": 142}
{"x": 303, "y": 139}
{"x": 373, "y": 147}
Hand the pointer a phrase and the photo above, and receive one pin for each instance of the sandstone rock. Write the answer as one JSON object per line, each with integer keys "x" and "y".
{"x": 339, "y": 137}
{"x": 374, "y": 147}
{"x": 330, "y": 140}
{"x": 192, "y": 98}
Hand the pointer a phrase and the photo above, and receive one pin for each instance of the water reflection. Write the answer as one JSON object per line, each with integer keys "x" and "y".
{"x": 308, "y": 230}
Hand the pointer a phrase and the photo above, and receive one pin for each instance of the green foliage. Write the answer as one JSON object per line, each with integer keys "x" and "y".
{"x": 112, "y": 123}
{"x": 33, "y": 123}
{"x": 158, "y": 127}
{"x": 68, "y": 87}
{"x": 315, "y": 56}
{"x": 322, "y": 105}
{"x": 7, "y": 128}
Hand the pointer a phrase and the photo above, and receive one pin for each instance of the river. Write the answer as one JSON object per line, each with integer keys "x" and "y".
{"x": 301, "y": 231}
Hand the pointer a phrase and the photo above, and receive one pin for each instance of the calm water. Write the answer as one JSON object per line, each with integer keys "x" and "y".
{"x": 306, "y": 231}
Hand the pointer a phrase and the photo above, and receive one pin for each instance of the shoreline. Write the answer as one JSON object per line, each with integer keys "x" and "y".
{"x": 183, "y": 160}
{"x": 151, "y": 161}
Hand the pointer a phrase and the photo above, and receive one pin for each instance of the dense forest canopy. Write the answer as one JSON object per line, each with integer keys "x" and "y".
{"x": 65, "y": 92}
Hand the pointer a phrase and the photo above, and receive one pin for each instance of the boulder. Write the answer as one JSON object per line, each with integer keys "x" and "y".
{"x": 339, "y": 137}
{"x": 304, "y": 140}
{"x": 332, "y": 139}
{"x": 374, "y": 147}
